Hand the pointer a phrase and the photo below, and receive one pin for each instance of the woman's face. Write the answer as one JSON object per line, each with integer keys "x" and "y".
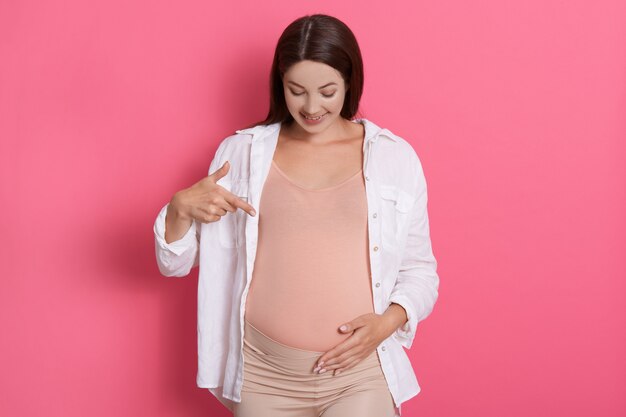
{"x": 315, "y": 90}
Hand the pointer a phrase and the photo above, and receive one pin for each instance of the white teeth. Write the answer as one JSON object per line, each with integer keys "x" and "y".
{"x": 313, "y": 118}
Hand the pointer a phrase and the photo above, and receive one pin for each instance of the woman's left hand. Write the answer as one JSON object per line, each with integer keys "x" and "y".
{"x": 369, "y": 331}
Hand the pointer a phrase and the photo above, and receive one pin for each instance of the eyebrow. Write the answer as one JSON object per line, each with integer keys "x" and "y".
{"x": 325, "y": 85}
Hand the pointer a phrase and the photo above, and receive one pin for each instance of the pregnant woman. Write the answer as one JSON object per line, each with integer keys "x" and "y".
{"x": 312, "y": 238}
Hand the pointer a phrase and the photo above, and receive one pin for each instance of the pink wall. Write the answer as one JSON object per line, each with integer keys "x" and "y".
{"x": 517, "y": 109}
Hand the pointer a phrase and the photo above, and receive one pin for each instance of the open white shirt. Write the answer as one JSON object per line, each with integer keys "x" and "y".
{"x": 403, "y": 267}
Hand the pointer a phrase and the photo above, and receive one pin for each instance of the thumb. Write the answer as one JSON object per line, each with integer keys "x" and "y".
{"x": 220, "y": 172}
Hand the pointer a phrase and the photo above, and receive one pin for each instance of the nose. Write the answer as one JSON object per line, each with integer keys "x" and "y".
{"x": 311, "y": 106}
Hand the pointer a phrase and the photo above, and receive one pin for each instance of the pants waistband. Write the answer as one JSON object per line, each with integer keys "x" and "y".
{"x": 258, "y": 340}
{"x": 270, "y": 350}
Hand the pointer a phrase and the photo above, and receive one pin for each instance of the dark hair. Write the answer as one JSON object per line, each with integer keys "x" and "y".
{"x": 319, "y": 38}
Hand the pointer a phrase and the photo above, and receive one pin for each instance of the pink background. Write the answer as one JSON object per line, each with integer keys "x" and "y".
{"x": 516, "y": 108}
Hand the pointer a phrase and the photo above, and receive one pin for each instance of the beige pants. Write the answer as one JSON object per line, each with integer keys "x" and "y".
{"x": 279, "y": 382}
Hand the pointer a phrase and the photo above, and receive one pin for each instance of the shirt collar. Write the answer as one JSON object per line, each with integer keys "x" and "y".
{"x": 372, "y": 131}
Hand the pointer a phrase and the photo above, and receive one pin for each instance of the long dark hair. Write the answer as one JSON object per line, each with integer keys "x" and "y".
{"x": 319, "y": 38}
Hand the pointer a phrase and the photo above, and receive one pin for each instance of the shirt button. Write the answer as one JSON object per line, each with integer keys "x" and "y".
{"x": 375, "y": 248}
{"x": 378, "y": 284}
{"x": 367, "y": 178}
{"x": 383, "y": 348}
{"x": 375, "y": 215}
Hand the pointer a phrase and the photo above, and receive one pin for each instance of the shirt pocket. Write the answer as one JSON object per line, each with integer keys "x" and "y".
{"x": 231, "y": 227}
{"x": 395, "y": 207}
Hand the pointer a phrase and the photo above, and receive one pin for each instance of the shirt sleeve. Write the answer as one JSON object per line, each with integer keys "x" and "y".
{"x": 176, "y": 259}
{"x": 417, "y": 285}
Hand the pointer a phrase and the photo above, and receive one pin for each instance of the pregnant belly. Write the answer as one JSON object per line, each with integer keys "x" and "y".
{"x": 307, "y": 320}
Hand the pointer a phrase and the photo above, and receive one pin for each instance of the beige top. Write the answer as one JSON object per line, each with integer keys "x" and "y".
{"x": 311, "y": 271}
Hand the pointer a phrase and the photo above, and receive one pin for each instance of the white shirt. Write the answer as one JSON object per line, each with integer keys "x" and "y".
{"x": 403, "y": 267}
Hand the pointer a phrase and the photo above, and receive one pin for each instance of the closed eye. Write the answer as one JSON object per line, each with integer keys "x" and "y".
{"x": 325, "y": 95}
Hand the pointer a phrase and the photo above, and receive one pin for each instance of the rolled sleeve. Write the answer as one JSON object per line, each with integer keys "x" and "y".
{"x": 405, "y": 333}
{"x": 176, "y": 258}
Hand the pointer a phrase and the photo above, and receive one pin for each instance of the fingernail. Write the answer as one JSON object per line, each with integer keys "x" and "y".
{"x": 316, "y": 369}
{"x": 322, "y": 371}
{"x": 321, "y": 363}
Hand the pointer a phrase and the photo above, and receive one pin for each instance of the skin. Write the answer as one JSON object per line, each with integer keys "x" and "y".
{"x": 335, "y": 144}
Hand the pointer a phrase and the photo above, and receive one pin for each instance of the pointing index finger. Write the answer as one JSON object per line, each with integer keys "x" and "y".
{"x": 240, "y": 202}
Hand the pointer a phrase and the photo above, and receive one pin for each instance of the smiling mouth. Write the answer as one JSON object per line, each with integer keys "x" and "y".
{"x": 314, "y": 118}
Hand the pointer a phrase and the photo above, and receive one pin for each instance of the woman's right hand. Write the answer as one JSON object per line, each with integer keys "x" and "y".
{"x": 205, "y": 201}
